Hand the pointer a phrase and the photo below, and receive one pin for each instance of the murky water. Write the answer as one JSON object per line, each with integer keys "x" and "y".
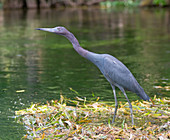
{"x": 37, "y": 66}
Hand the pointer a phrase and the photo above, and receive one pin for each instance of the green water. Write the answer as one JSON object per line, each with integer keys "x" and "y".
{"x": 36, "y": 66}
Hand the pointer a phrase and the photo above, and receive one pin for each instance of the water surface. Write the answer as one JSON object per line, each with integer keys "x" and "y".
{"x": 37, "y": 66}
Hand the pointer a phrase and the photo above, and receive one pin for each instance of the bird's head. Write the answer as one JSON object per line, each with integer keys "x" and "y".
{"x": 57, "y": 30}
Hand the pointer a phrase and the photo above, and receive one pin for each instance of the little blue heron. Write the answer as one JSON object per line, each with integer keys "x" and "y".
{"x": 114, "y": 71}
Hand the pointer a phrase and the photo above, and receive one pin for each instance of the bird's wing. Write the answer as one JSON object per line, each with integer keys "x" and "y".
{"x": 117, "y": 73}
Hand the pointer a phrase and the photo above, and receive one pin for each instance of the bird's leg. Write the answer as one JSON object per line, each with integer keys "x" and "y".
{"x": 130, "y": 105}
{"x": 116, "y": 104}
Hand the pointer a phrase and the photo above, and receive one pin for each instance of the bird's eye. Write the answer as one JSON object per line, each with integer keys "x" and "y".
{"x": 58, "y": 29}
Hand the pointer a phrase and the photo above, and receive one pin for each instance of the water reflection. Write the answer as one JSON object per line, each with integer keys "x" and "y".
{"x": 43, "y": 65}
{"x": 90, "y": 17}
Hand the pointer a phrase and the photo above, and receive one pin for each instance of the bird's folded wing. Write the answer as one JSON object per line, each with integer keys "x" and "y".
{"x": 119, "y": 74}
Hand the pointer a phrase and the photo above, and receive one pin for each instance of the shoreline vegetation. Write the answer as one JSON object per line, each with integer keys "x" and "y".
{"x": 40, "y": 4}
{"x": 83, "y": 119}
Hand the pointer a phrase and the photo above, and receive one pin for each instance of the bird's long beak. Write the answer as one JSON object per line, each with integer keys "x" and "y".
{"x": 46, "y": 29}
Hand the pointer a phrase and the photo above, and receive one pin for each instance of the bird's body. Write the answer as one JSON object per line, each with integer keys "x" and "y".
{"x": 116, "y": 73}
{"x": 114, "y": 70}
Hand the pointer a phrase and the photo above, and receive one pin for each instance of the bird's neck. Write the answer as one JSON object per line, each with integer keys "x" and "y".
{"x": 93, "y": 57}
{"x": 76, "y": 45}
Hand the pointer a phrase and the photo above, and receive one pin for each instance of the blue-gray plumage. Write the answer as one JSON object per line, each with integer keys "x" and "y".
{"x": 114, "y": 71}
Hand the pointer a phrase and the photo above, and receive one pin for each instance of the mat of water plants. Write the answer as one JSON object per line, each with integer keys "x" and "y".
{"x": 81, "y": 119}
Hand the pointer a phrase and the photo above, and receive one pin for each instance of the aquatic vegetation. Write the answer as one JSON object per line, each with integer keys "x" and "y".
{"x": 82, "y": 119}
{"x": 118, "y": 3}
